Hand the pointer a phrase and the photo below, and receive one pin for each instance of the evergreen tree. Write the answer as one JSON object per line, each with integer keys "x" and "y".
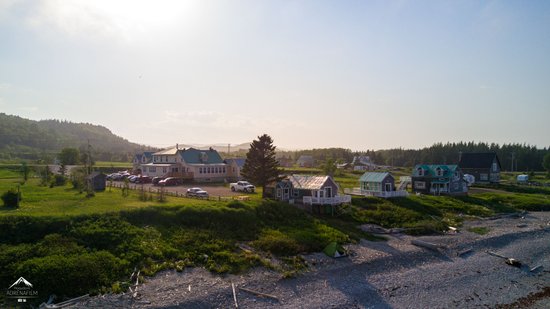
{"x": 261, "y": 167}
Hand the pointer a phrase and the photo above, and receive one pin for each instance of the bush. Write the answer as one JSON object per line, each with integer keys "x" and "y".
{"x": 11, "y": 198}
{"x": 277, "y": 242}
{"x": 58, "y": 180}
{"x": 73, "y": 275}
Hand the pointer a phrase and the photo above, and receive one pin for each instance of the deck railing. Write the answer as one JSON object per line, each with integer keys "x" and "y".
{"x": 384, "y": 194}
{"x": 339, "y": 199}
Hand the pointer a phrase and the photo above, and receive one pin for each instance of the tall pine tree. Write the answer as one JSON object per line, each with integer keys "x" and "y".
{"x": 261, "y": 167}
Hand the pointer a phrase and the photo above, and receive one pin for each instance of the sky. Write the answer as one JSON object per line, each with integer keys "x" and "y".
{"x": 353, "y": 74}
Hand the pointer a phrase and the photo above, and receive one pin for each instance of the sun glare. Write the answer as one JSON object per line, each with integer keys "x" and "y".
{"x": 120, "y": 18}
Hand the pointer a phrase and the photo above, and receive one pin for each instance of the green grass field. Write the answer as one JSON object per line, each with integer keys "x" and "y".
{"x": 122, "y": 165}
{"x": 99, "y": 240}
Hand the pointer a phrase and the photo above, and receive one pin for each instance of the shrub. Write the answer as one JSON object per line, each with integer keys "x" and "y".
{"x": 277, "y": 242}
{"x": 72, "y": 275}
{"x": 11, "y": 198}
{"x": 58, "y": 180}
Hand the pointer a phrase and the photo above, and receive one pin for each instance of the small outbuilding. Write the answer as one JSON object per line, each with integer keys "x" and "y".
{"x": 97, "y": 181}
{"x": 377, "y": 182}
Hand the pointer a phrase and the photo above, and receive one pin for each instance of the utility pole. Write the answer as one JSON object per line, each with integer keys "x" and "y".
{"x": 228, "y": 149}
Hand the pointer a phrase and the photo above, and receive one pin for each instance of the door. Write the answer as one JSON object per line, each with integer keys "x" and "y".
{"x": 286, "y": 194}
{"x": 328, "y": 191}
{"x": 387, "y": 186}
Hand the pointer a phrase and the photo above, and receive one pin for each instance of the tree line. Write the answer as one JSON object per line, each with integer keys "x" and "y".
{"x": 514, "y": 156}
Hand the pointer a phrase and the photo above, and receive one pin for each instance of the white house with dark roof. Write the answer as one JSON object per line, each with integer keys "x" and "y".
{"x": 189, "y": 164}
{"x": 234, "y": 167}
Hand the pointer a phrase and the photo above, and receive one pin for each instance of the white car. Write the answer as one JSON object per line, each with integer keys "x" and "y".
{"x": 243, "y": 186}
{"x": 196, "y": 192}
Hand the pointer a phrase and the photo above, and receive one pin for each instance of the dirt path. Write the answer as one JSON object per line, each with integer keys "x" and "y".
{"x": 391, "y": 274}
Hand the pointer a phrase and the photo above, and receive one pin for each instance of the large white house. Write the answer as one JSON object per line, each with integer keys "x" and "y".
{"x": 190, "y": 164}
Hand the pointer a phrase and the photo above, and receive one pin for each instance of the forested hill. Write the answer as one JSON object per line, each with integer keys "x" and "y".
{"x": 29, "y": 139}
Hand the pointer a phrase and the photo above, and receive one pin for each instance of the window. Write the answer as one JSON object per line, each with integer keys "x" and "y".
{"x": 164, "y": 169}
{"x": 278, "y": 192}
{"x": 439, "y": 171}
{"x": 420, "y": 185}
{"x": 208, "y": 170}
{"x": 153, "y": 169}
{"x": 145, "y": 169}
{"x": 455, "y": 185}
{"x": 420, "y": 171}
{"x": 224, "y": 169}
{"x": 483, "y": 177}
{"x": 494, "y": 167}
{"x": 295, "y": 193}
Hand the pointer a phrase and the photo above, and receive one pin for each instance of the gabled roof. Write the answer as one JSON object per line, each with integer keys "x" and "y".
{"x": 197, "y": 156}
{"x": 238, "y": 161}
{"x": 358, "y": 160}
{"x": 430, "y": 170}
{"x": 95, "y": 174}
{"x": 373, "y": 177}
{"x": 169, "y": 151}
{"x": 478, "y": 160}
{"x": 148, "y": 155}
{"x": 307, "y": 182}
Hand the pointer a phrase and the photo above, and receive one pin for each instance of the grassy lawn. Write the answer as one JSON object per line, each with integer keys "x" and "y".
{"x": 95, "y": 243}
{"x": 122, "y": 165}
{"x": 60, "y": 201}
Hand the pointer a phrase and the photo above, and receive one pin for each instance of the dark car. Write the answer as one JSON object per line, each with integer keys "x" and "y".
{"x": 170, "y": 181}
{"x": 156, "y": 180}
{"x": 143, "y": 179}
{"x": 196, "y": 192}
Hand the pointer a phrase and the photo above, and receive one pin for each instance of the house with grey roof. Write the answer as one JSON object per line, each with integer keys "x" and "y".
{"x": 314, "y": 191}
{"x": 305, "y": 161}
{"x": 142, "y": 158}
{"x": 234, "y": 166}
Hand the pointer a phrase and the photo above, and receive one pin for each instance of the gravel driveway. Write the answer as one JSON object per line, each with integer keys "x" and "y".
{"x": 390, "y": 274}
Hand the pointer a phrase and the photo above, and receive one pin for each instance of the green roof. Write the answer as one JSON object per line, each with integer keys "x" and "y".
{"x": 197, "y": 156}
{"x": 430, "y": 170}
{"x": 373, "y": 177}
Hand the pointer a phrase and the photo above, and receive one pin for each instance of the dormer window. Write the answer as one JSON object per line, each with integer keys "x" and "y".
{"x": 439, "y": 171}
{"x": 420, "y": 171}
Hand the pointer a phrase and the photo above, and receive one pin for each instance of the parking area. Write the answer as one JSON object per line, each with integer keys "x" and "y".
{"x": 213, "y": 190}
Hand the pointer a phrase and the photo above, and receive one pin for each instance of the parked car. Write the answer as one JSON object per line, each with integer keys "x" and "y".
{"x": 170, "y": 181}
{"x": 196, "y": 192}
{"x": 132, "y": 178}
{"x": 143, "y": 179}
{"x": 243, "y": 186}
{"x": 156, "y": 180}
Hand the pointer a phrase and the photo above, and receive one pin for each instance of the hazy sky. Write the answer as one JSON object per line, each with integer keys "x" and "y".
{"x": 354, "y": 74}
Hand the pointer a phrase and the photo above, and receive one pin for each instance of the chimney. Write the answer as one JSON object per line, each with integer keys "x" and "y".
{"x": 177, "y": 146}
